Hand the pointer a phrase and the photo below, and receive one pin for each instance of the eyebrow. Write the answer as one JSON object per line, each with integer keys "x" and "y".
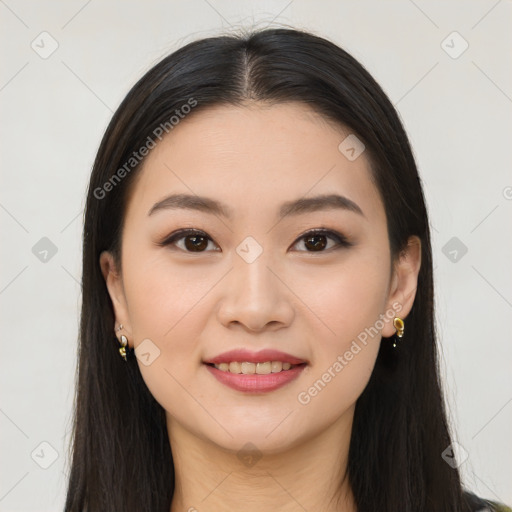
{"x": 295, "y": 207}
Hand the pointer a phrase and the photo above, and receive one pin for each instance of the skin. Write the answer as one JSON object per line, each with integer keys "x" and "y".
{"x": 311, "y": 304}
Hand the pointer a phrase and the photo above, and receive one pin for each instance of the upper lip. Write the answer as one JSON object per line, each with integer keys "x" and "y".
{"x": 244, "y": 355}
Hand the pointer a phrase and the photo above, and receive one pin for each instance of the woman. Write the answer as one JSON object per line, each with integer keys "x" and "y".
{"x": 257, "y": 328}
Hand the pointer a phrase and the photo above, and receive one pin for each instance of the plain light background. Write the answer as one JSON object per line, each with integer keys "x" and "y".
{"x": 455, "y": 106}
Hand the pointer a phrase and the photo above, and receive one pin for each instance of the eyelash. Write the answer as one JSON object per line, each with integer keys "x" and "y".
{"x": 340, "y": 239}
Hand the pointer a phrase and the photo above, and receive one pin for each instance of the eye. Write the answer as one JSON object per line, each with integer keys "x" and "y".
{"x": 193, "y": 240}
{"x": 197, "y": 241}
{"x": 316, "y": 240}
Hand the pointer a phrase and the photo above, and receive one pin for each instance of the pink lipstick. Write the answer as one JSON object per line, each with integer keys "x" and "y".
{"x": 255, "y": 372}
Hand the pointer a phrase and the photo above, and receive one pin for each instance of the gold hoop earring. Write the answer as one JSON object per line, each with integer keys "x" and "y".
{"x": 125, "y": 351}
{"x": 399, "y": 325}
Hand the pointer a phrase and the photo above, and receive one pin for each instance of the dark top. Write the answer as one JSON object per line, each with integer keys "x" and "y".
{"x": 482, "y": 505}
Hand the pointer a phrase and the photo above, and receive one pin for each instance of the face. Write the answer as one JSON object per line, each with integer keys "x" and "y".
{"x": 312, "y": 281}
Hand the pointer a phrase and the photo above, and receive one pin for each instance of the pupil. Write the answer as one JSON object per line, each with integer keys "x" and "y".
{"x": 316, "y": 245}
{"x": 203, "y": 243}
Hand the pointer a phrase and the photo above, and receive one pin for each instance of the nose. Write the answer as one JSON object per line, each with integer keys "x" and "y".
{"x": 256, "y": 296}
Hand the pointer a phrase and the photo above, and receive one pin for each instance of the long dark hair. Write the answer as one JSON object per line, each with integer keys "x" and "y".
{"x": 120, "y": 454}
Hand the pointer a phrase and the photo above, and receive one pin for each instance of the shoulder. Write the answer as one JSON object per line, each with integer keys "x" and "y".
{"x": 500, "y": 507}
{"x": 478, "y": 504}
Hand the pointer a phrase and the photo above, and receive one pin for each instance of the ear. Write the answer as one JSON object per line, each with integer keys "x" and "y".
{"x": 403, "y": 285}
{"x": 115, "y": 288}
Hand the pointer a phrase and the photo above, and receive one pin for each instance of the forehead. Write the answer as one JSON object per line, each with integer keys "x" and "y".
{"x": 255, "y": 156}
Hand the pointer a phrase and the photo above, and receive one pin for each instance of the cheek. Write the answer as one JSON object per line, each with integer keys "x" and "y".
{"x": 334, "y": 387}
{"x": 347, "y": 298}
{"x": 167, "y": 308}
{"x": 162, "y": 298}
{"x": 344, "y": 361}
{"x": 350, "y": 306}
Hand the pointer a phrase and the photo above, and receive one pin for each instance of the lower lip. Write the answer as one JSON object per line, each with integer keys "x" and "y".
{"x": 255, "y": 383}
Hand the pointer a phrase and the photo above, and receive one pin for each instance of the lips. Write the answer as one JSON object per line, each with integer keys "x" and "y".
{"x": 285, "y": 368}
{"x": 242, "y": 355}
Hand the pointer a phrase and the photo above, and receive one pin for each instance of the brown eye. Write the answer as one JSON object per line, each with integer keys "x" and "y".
{"x": 318, "y": 240}
{"x": 193, "y": 240}
{"x": 315, "y": 242}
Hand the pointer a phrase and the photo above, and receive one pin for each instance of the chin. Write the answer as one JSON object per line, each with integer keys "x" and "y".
{"x": 257, "y": 437}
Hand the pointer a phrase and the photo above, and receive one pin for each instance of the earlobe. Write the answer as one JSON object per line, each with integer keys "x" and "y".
{"x": 404, "y": 283}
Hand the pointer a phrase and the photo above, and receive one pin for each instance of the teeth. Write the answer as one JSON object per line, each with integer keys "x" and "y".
{"x": 264, "y": 368}
{"x": 248, "y": 368}
{"x": 253, "y": 368}
{"x": 235, "y": 368}
{"x": 277, "y": 366}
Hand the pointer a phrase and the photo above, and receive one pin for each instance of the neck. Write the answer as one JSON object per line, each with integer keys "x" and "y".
{"x": 308, "y": 476}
